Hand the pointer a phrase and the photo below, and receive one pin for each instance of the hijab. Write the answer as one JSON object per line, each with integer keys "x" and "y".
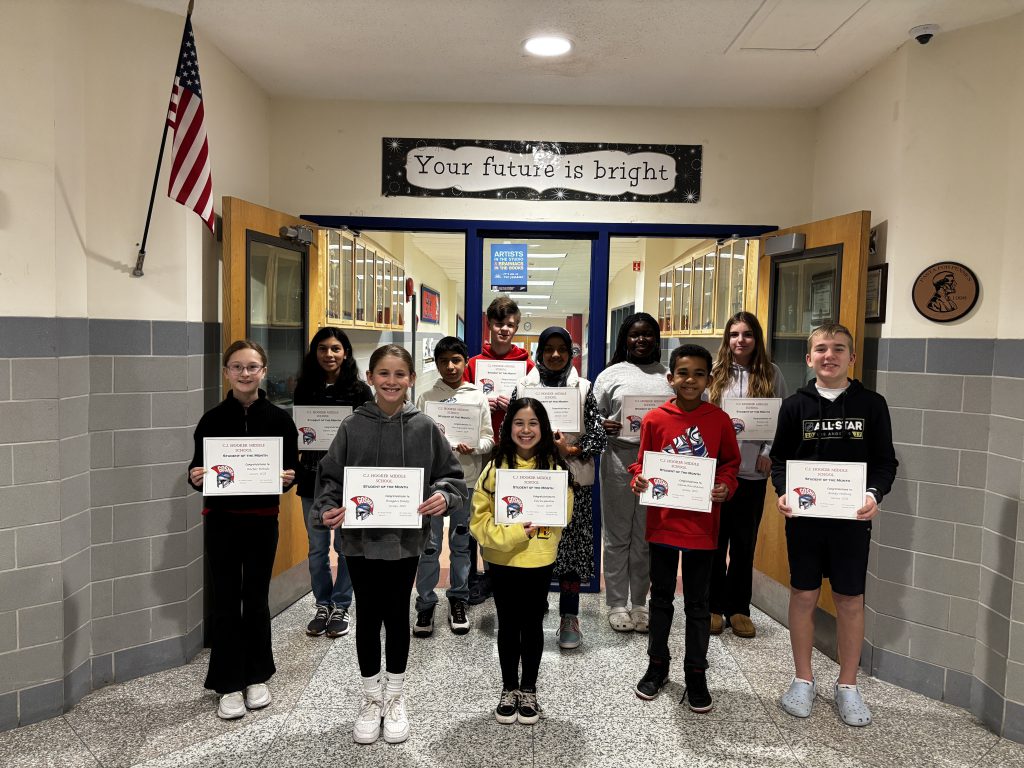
{"x": 548, "y": 377}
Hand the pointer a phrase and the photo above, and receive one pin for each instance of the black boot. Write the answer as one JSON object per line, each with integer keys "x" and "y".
{"x": 653, "y": 681}
{"x": 697, "y": 691}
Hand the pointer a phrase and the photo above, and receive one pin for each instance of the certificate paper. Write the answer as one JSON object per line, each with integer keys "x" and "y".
{"x": 242, "y": 466}
{"x": 318, "y": 424}
{"x": 383, "y": 497}
{"x": 753, "y": 418}
{"x": 563, "y": 404}
{"x": 537, "y": 496}
{"x": 499, "y": 377}
{"x": 826, "y": 488}
{"x": 459, "y": 422}
{"x": 634, "y": 408}
{"x": 678, "y": 481}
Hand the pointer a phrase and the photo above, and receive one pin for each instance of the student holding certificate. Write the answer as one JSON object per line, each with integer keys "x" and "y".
{"x": 691, "y": 427}
{"x": 382, "y": 434}
{"x": 635, "y": 370}
{"x": 831, "y": 419}
{"x": 575, "y": 561}
{"x": 522, "y": 557}
{"x": 742, "y": 369}
{"x": 241, "y": 535}
{"x": 329, "y": 377}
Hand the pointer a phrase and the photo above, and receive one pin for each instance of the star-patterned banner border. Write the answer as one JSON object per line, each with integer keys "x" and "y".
{"x": 395, "y": 182}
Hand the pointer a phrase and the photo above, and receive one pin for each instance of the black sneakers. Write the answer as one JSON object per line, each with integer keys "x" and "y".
{"x": 653, "y": 681}
{"x": 697, "y": 691}
{"x": 424, "y": 626}
{"x": 529, "y": 710}
{"x": 508, "y": 707}
{"x": 457, "y": 618}
{"x": 480, "y": 590}
{"x": 318, "y": 625}
{"x": 337, "y": 624}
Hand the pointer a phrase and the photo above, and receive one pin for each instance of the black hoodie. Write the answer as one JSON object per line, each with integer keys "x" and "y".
{"x": 853, "y": 427}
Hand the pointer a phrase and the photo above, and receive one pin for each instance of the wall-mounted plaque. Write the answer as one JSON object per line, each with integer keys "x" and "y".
{"x": 945, "y": 291}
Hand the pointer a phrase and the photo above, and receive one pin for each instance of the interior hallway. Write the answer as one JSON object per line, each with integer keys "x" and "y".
{"x": 591, "y": 716}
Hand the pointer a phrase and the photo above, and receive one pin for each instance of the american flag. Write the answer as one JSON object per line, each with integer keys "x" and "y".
{"x": 190, "y": 182}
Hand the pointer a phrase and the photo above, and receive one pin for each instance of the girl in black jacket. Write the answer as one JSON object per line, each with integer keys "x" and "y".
{"x": 329, "y": 377}
{"x": 241, "y": 537}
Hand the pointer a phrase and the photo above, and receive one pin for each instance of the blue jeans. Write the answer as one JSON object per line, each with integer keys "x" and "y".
{"x": 429, "y": 571}
{"x": 340, "y": 592}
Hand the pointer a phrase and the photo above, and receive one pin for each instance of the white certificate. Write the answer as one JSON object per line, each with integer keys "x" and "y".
{"x": 242, "y": 466}
{"x": 563, "y": 404}
{"x": 383, "y": 497}
{"x": 537, "y": 496}
{"x": 753, "y": 418}
{"x": 678, "y": 481}
{"x": 499, "y": 377}
{"x": 634, "y": 408}
{"x": 318, "y": 424}
{"x": 459, "y": 422}
{"x": 826, "y": 488}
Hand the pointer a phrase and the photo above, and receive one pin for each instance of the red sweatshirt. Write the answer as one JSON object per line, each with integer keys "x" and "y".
{"x": 469, "y": 374}
{"x": 704, "y": 431}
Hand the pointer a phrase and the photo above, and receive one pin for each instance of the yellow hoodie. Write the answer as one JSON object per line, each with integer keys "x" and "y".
{"x": 508, "y": 544}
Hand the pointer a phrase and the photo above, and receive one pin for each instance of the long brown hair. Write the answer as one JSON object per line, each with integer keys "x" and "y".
{"x": 762, "y": 373}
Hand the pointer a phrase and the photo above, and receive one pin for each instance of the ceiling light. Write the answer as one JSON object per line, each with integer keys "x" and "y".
{"x": 533, "y": 296}
{"x": 523, "y": 306}
{"x": 540, "y": 282}
{"x": 542, "y": 269}
{"x": 548, "y": 45}
{"x": 547, "y": 255}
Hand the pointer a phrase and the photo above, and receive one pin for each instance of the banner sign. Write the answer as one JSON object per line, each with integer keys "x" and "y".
{"x": 508, "y": 267}
{"x": 541, "y": 170}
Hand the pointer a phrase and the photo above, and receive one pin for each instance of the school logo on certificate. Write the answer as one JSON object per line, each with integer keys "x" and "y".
{"x": 738, "y": 426}
{"x": 487, "y": 385}
{"x": 225, "y": 475}
{"x": 659, "y": 487}
{"x": 513, "y": 507}
{"x": 308, "y": 435}
{"x": 634, "y": 423}
{"x": 805, "y": 497}
{"x": 364, "y": 506}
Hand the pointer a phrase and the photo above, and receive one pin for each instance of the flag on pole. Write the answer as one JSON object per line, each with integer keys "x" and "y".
{"x": 190, "y": 183}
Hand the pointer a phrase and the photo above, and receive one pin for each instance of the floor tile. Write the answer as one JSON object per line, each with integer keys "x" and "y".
{"x": 44, "y": 745}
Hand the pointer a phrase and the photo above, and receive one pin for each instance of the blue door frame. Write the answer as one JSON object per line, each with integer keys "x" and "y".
{"x": 601, "y": 234}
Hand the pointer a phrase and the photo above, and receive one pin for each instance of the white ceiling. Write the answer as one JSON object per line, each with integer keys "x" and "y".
{"x": 679, "y": 53}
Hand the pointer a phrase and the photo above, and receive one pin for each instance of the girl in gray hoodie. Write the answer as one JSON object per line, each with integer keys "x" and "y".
{"x": 387, "y": 432}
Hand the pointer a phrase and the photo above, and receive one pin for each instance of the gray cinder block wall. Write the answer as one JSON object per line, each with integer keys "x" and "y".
{"x": 101, "y": 570}
{"x": 945, "y": 593}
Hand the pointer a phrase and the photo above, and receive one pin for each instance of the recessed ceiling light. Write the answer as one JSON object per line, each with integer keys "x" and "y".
{"x": 548, "y": 45}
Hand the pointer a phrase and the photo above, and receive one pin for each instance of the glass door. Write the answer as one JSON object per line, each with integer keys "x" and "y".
{"x": 805, "y": 294}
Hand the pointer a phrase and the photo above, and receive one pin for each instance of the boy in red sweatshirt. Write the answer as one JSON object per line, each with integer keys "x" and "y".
{"x": 685, "y": 425}
{"x": 502, "y": 323}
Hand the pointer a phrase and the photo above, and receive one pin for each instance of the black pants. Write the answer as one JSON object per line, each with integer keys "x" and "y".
{"x": 569, "y": 594}
{"x": 240, "y": 552}
{"x": 740, "y": 519}
{"x": 696, "y": 582}
{"x": 520, "y": 595}
{"x": 382, "y": 589}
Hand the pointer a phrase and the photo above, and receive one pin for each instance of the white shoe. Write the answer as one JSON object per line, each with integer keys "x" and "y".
{"x": 231, "y": 706}
{"x": 396, "y": 723}
{"x": 641, "y": 619}
{"x": 367, "y": 727}
{"x": 257, "y": 696}
{"x": 620, "y": 619}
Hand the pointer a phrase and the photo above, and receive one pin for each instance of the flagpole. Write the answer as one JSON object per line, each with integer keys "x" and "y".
{"x": 137, "y": 272}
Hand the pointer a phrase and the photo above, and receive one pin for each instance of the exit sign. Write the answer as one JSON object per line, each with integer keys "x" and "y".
{"x": 637, "y": 266}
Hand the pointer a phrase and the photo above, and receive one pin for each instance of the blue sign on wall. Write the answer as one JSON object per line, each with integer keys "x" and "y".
{"x": 508, "y": 267}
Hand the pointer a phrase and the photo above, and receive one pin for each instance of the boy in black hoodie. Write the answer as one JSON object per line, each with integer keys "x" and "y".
{"x": 832, "y": 418}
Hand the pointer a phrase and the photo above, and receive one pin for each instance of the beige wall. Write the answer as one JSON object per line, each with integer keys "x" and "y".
{"x": 91, "y": 83}
{"x": 328, "y": 162}
{"x": 929, "y": 141}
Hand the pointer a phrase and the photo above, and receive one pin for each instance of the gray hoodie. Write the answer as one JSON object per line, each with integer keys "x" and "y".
{"x": 369, "y": 438}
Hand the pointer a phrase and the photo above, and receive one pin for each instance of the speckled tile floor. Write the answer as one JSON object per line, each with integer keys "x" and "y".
{"x": 591, "y": 717}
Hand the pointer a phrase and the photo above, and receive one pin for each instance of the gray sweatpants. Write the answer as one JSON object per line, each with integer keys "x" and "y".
{"x": 627, "y": 572}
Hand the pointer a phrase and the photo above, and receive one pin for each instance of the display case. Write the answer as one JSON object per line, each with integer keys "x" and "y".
{"x": 703, "y": 288}
{"x": 365, "y": 284}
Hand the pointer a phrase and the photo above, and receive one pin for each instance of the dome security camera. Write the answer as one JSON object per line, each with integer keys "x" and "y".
{"x": 923, "y": 33}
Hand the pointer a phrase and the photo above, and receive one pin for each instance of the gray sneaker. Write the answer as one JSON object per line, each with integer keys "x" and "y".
{"x": 799, "y": 699}
{"x": 569, "y": 633}
{"x": 851, "y": 706}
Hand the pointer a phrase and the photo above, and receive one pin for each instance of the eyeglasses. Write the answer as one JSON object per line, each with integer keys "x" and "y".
{"x": 236, "y": 369}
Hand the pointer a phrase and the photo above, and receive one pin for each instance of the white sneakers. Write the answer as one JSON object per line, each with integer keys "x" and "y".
{"x": 367, "y": 727}
{"x": 396, "y": 722}
{"x": 233, "y": 705}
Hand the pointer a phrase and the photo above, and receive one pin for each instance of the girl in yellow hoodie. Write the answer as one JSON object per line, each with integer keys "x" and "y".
{"x": 522, "y": 557}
